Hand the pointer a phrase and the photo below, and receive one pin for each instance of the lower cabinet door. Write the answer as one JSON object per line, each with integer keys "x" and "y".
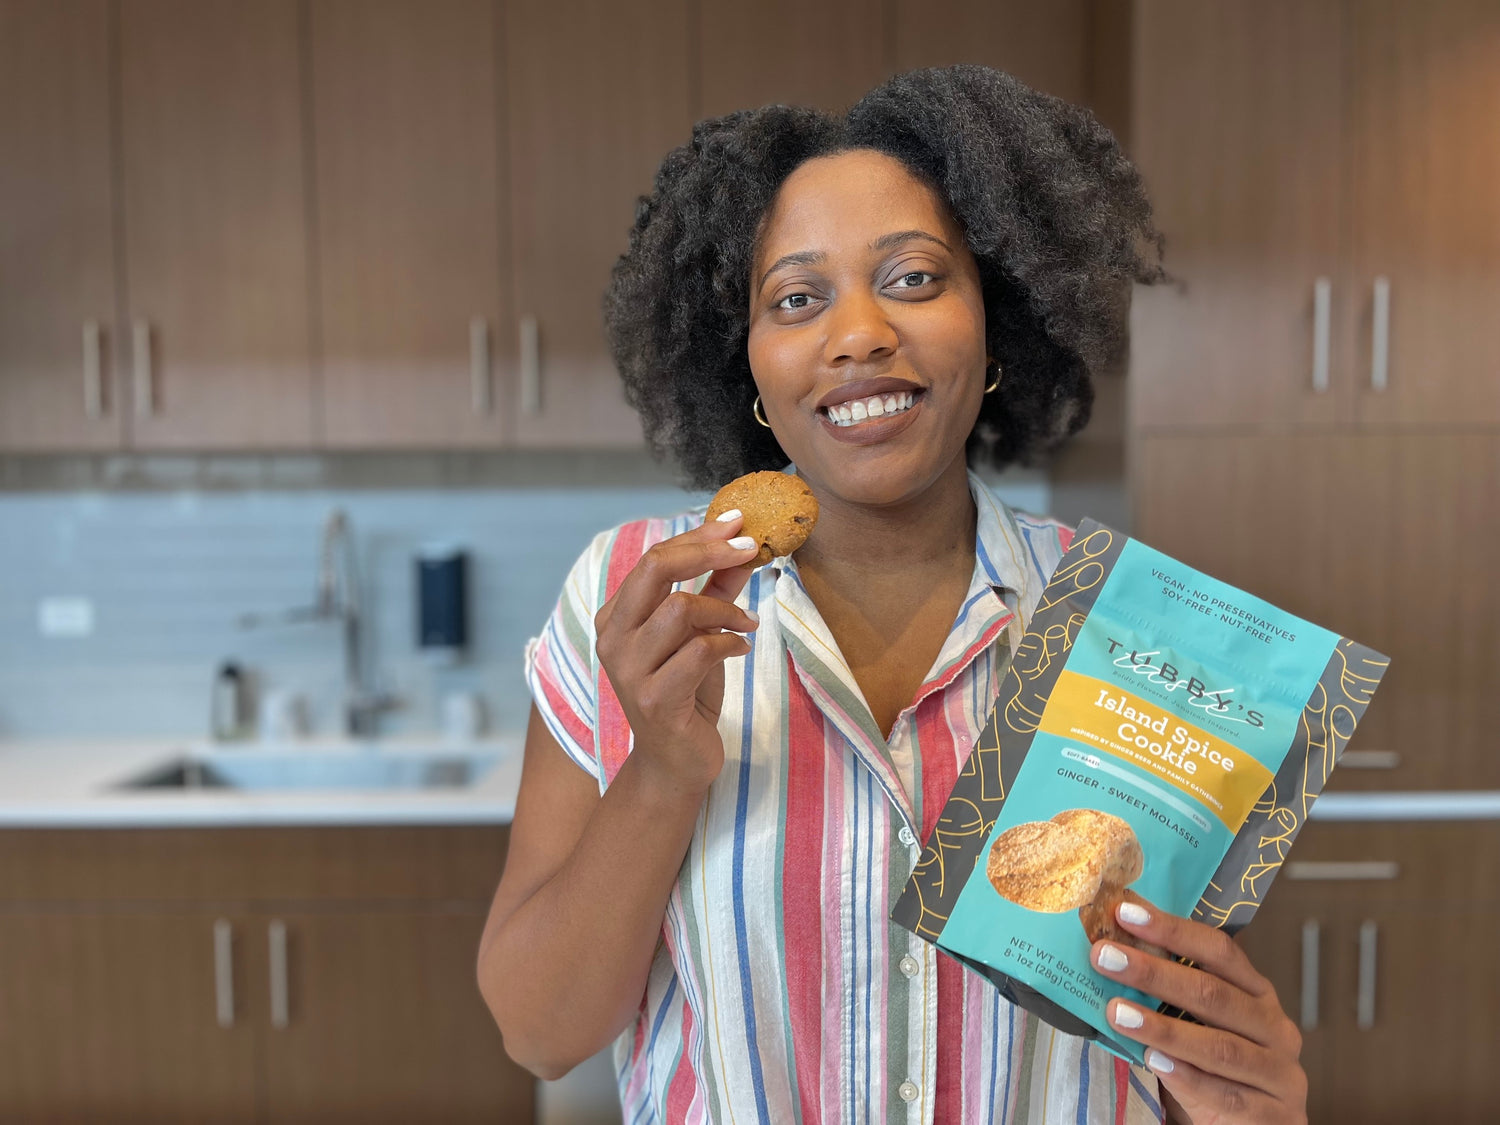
{"x": 125, "y": 1018}
{"x": 375, "y": 1016}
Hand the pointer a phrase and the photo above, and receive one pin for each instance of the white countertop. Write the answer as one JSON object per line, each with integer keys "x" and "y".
{"x": 73, "y": 783}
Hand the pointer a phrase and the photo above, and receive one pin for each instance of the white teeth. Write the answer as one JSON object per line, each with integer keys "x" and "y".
{"x": 876, "y": 406}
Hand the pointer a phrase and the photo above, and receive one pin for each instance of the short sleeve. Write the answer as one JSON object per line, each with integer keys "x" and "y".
{"x": 560, "y": 663}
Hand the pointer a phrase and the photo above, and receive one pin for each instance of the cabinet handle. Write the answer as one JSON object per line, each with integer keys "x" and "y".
{"x": 280, "y": 1008}
{"x": 1369, "y": 760}
{"x": 479, "y": 363}
{"x": 1364, "y": 1013}
{"x": 1322, "y": 313}
{"x": 93, "y": 386}
{"x": 1309, "y": 1018}
{"x": 1315, "y": 871}
{"x": 1380, "y": 335}
{"x": 145, "y": 406}
{"x": 531, "y": 366}
{"x": 224, "y": 972}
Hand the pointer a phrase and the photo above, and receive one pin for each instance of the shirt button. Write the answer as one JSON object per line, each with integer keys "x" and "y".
{"x": 910, "y": 966}
{"x": 908, "y": 1091}
{"x": 907, "y": 837}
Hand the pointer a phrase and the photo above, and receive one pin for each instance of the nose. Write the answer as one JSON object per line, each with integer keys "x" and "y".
{"x": 858, "y": 329}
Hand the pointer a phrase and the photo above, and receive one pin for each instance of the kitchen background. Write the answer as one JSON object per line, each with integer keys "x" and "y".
{"x": 262, "y": 261}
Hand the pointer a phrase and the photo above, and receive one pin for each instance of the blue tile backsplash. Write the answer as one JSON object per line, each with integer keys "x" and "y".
{"x": 169, "y": 573}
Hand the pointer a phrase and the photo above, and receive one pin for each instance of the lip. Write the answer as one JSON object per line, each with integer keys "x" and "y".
{"x": 864, "y": 388}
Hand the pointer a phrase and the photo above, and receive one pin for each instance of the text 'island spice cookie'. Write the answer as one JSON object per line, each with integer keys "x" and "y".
{"x": 780, "y": 511}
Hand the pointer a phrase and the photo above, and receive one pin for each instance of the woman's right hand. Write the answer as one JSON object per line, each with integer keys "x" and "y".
{"x": 664, "y": 652}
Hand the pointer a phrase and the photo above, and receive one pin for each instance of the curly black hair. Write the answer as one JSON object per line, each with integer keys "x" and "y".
{"x": 1053, "y": 212}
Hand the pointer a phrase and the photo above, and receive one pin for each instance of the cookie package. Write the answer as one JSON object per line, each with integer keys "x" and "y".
{"x": 1159, "y": 736}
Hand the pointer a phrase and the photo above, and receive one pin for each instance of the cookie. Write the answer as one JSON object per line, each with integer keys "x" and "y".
{"x": 1101, "y": 924}
{"x": 1045, "y": 866}
{"x": 1122, "y": 851}
{"x": 780, "y": 511}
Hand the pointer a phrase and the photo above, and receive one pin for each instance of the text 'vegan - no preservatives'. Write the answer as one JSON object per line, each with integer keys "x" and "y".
{"x": 1215, "y": 701}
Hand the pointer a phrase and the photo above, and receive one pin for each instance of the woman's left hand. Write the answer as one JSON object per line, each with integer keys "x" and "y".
{"x": 1240, "y": 1064}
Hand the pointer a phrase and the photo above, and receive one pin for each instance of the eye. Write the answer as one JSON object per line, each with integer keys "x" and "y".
{"x": 913, "y": 279}
{"x": 802, "y": 299}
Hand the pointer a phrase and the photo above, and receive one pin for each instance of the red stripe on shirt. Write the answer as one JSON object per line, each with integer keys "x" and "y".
{"x": 614, "y": 728}
{"x": 684, "y": 1085}
{"x": 1122, "y": 1090}
{"x": 802, "y": 889}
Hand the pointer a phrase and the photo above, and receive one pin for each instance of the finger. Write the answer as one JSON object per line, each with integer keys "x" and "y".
{"x": 1209, "y": 1049}
{"x": 679, "y": 677}
{"x": 1208, "y": 1097}
{"x": 681, "y": 617}
{"x": 667, "y": 563}
{"x": 1206, "y": 946}
{"x": 1208, "y": 997}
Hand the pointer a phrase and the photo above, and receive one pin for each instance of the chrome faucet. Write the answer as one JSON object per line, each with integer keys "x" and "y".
{"x": 337, "y": 598}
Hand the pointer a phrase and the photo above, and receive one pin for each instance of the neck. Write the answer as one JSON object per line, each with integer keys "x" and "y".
{"x": 926, "y": 537}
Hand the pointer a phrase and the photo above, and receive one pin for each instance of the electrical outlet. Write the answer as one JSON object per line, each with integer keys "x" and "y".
{"x": 65, "y": 617}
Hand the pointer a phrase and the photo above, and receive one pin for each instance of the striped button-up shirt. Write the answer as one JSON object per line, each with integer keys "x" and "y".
{"x": 781, "y": 990}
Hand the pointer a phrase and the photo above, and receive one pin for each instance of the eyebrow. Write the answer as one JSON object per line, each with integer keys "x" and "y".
{"x": 884, "y": 242}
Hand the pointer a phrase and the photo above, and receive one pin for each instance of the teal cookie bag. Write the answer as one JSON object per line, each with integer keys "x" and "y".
{"x": 1159, "y": 734}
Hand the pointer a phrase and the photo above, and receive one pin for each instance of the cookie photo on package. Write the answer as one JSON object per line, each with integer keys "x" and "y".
{"x": 1159, "y": 736}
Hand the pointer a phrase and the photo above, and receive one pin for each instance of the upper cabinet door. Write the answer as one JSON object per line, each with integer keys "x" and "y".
{"x": 1236, "y": 128}
{"x": 406, "y": 146}
{"x": 1041, "y": 44}
{"x": 585, "y": 143}
{"x": 57, "y": 263}
{"x": 784, "y": 51}
{"x": 1424, "y": 126}
{"x": 214, "y": 224}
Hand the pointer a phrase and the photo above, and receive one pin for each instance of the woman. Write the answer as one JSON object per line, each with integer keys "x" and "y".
{"x": 877, "y": 299}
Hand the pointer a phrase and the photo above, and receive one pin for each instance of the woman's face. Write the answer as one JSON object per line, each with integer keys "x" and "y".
{"x": 866, "y": 329}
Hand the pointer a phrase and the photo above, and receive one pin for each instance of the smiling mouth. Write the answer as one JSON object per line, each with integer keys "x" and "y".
{"x": 858, "y": 410}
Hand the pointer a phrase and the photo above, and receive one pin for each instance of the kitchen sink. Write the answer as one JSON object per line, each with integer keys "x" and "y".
{"x": 359, "y": 769}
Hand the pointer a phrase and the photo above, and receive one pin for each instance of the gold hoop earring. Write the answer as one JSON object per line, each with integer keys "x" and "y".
{"x": 759, "y": 415}
{"x": 995, "y": 382}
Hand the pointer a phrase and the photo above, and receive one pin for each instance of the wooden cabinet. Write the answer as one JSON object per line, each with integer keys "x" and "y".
{"x": 405, "y": 135}
{"x": 213, "y": 225}
{"x": 584, "y": 144}
{"x": 1424, "y": 84}
{"x": 1324, "y": 174}
{"x": 58, "y": 384}
{"x": 1382, "y": 537}
{"x": 780, "y": 51}
{"x": 256, "y": 975}
{"x": 1044, "y": 45}
{"x": 113, "y": 1016}
{"x": 1379, "y": 940}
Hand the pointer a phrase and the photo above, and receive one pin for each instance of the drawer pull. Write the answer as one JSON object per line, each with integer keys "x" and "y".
{"x": 1315, "y": 871}
{"x": 93, "y": 381}
{"x": 280, "y": 1002}
{"x": 1309, "y": 974}
{"x": 1322, "y": 314}
{"x": 145, "y": 396}
{"x": 1369, "y": 934}
{"x": 1380, "y": 335}
{"x": 224, "y": 973}
{"x": 1369, "y": 760}
{"x": 531, "y": 366}
{"x": 479, "y": 364}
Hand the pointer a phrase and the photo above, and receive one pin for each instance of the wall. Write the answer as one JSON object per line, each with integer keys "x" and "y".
{"x": 168, "y": 573}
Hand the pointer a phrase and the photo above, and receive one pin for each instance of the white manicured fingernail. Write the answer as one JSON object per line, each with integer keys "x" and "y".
{"x": 1126, "y": 1016}
{"x": 742, "y": 542}
{"x": 1159, "y": 1062}
{"x": 1133, "y": 913}
{"x": 1113, "y": 958}
{"x": 752, "y": 615}
{"x": 732, "y": 514}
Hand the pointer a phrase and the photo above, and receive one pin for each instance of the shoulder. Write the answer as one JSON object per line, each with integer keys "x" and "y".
{"x": 614, "y": 553}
